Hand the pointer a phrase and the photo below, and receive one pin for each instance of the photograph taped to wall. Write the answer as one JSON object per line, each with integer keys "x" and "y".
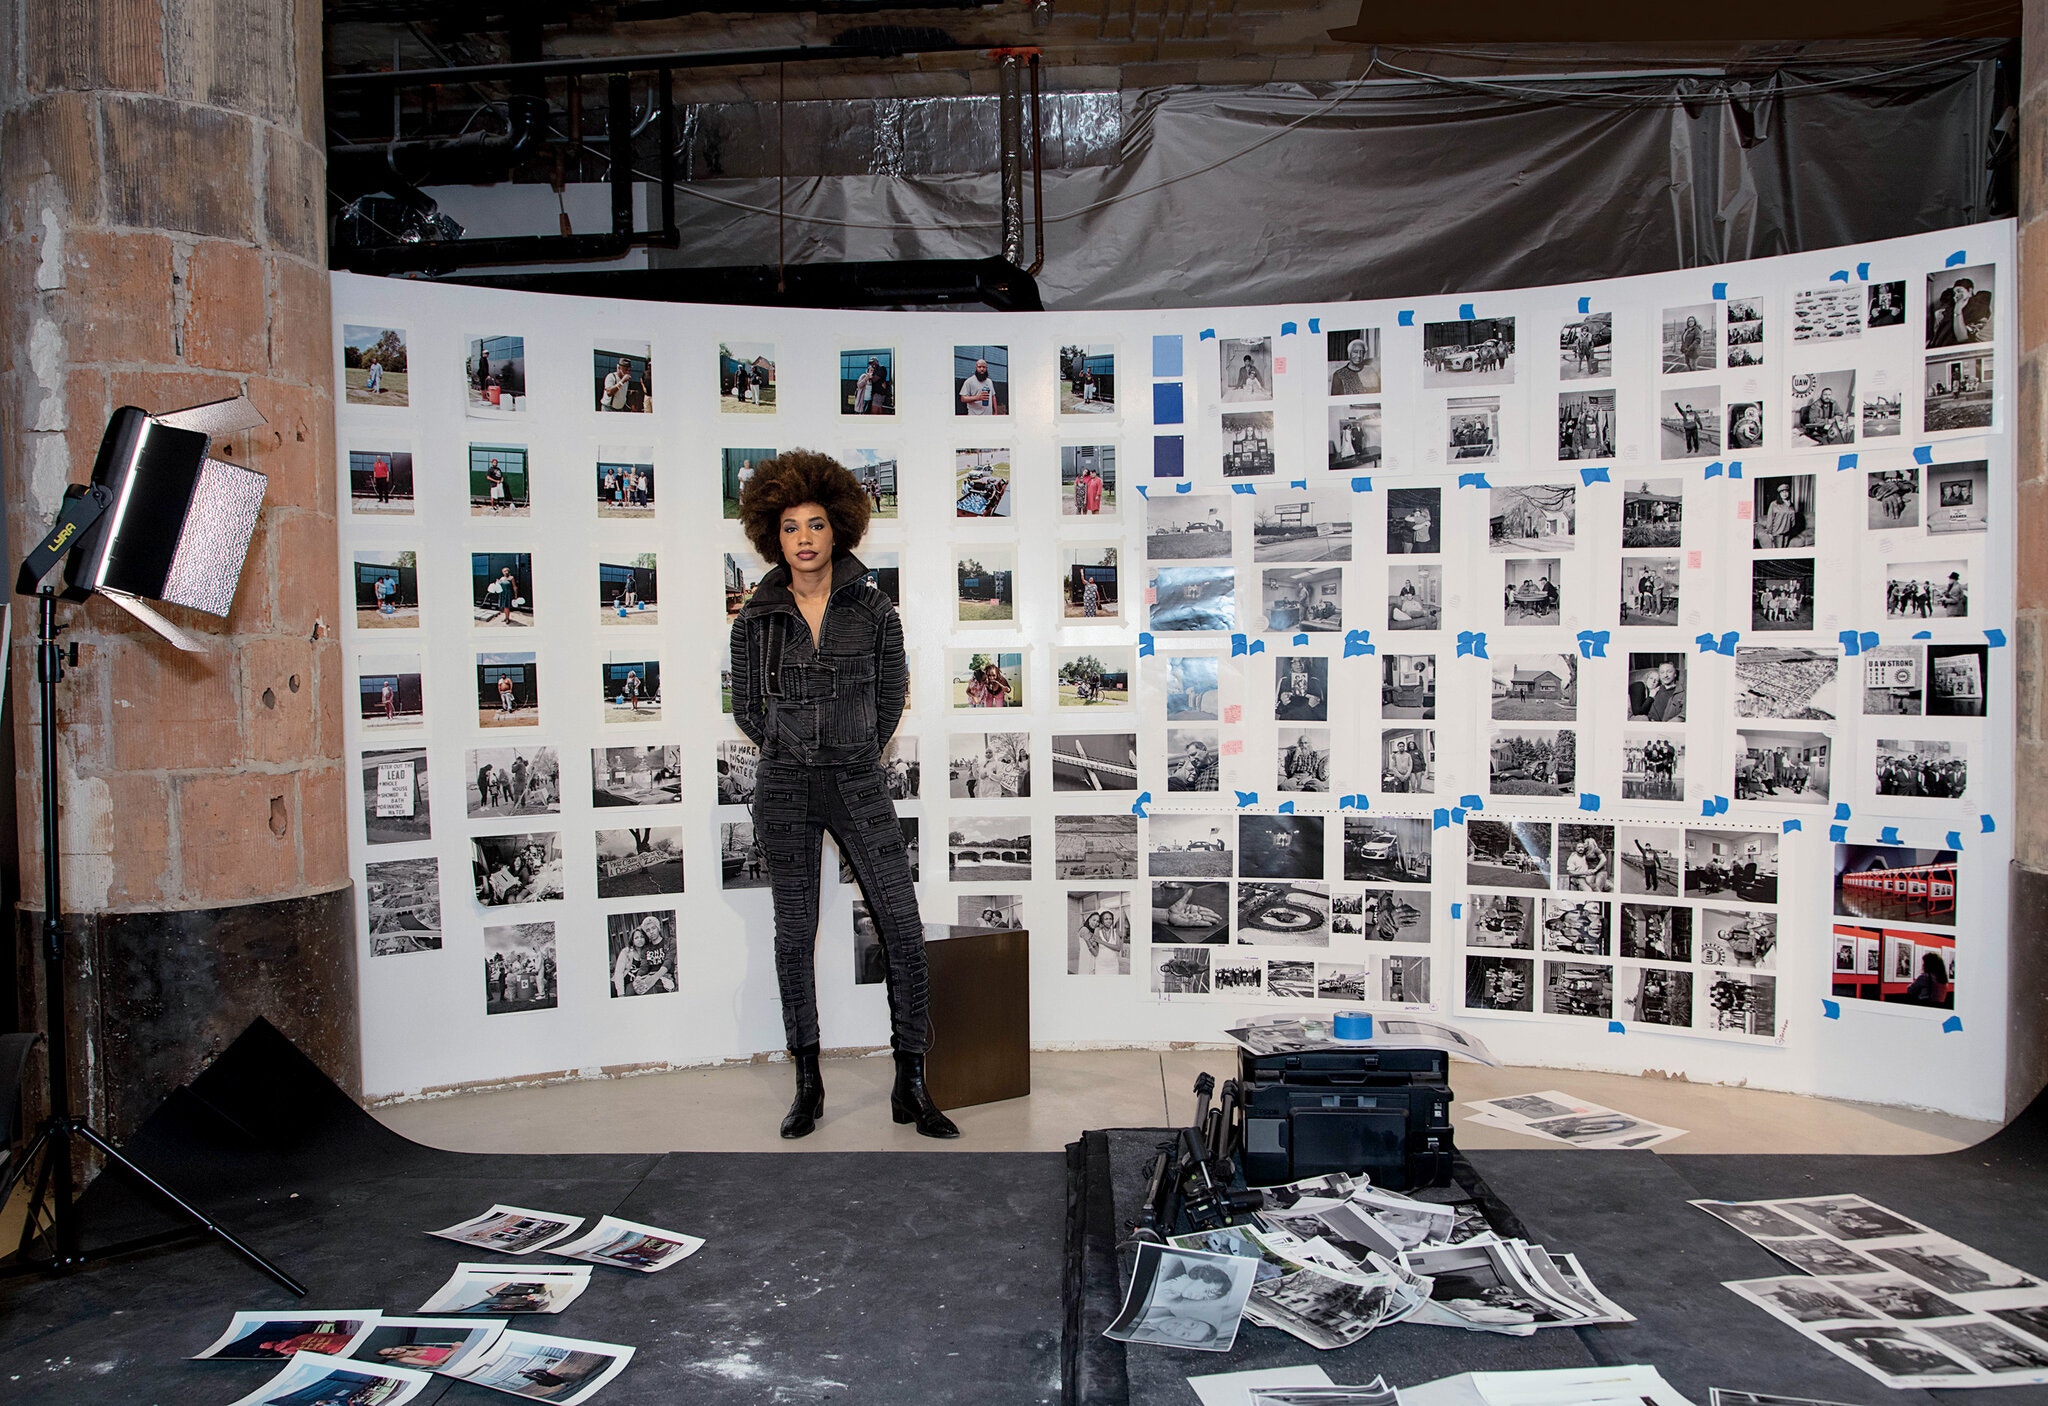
{"x": 1344, "y": 981}
{"x": 639, "y": 863}
{"x": 520, "y": 967}
{"x": 1745, "y": 424}
{"x": 1652, "y": 765}
{"x": 1792, "y": 682}
{"x": 1958, "y": 497}
{"x": 1886, "y": 306}
{"x": 989, "y": 765}
{"x": 1234, "y": 974}
{"x": 1096, "y": 761}
{"x": 1192, "y": 688}
{"x": 1475, "y": 351}
{"x": 396, "y": 797}
{"x": 635, "y": 776}
{"x": 1190, "y": 912}
{"x": 739, "y": 765}
{"x": 1740, "y": 1003}
{"x": 1301, "y": 525}
{"x": 742, "y": 576}
{"x": 1781, "y": 593}
{"x": 1785, "y": 511}
{"x": 1280, "y": 846}
{"x": 622, "y": 377}
{"x": 1180, "y": 971}
{"x": 1088, "y": 584}
{"x": 1745, "y": 331}
{"x": 1652, "y": 512}
{"x": 517, "y": 868}
{"x": 1532, "y": 762}
{"x": 867, "y": 381}
{"x": 501, "y": 589}
{"x": 1247, "y": 439}
{"x": 989, "y": 849}
{"x": 373, "y": 366}
{"x": 1303, "y": 763}
{"x": 380, "y": 482}
{"x": 986, "y": 678}
{"x": 642, "y": 950}
{"x": 1414, "y": 596}
{"x": 1894, "y": 496}
{"x": 1283, "y": 914}
{"x": 746, "y": 378}
{"x": 494, "y": 375}
{"x": 1585, "y": 425}
{"x": 981, "y": 380}
{"x": 1408, "y": 760}
{"x": 1585, "y": 857}
{"x": 1782, "y": 767}
{"x": 1916, "y": 970}
{"x": 1957, "y": 392}
{"x": 1500, "y": 920}
{"x": 625, "y": 481}
{"x": 1649, "y": 591}
{"x": 404, "y": 901}
{"x": 1691, "y": 427}
{"x": 500, "y": 481}
{"x": 990, "y": 910}
{"x": 1959, "y": 305}
{"x": 1579, "y": 927}
{"x": 1301, "y": 688}
{"x": 1290, "y": 980}
{"x": 1532, "y": 518}
{"x": 1301, "y": 598}
{"x": 1095, "y": 846}
{"x": 1884, "y": 414}
{"x": 1098, "y": 932}
{"x": 1927, "y": 590}
{"x": 1472, "y": 430}
{"x": 1508, "y": 853}
{"x": 1190, "y": 846}
{"x": 1352, "y": 361}
{"x": 1656, "y": 687}
{"x": 1656, "y": 996}
{"x": 1414, "y": 521}
{"x": 1380, "y": 915}
{"x": 1690, "y": 341}
{"x": 1742, "y": 940}
{"x": 512, "y": 781}
{"x": 1408, "y": 686}
{"x": 1532, "y": 591}
{"x": 741, "y": 864}
{"x": 1578, "y": 988}
{"x": 1087, "y": 379}
{"x": 1649, "y": 859}
{"x": 627, "y": 591}
{"x": 984, "y": 584}
{"x": 1823, "y": 408}
{"x": 1535, "y": 687}
{"x": 1893, "y": 681}
{"x": 736, "y": 469}
{"x": 1585, "y": 347}
{"x": 1737, "y": 864}
{"x": 877, "y": 471}
{"x": 1188, "y": 527}
{"x": 387, "y": 590}
{"x": 981, "y": 482}
{"x": 1894, "y": 884}
{"x": 1387, "y": 848}
{"x": 390, "y": 692}
{"x": 1088, "y": 482}
{"x": 1357, "y": 435}
{"x": 1193, "y": 598}
{"x": 885, "y": 574}
{"x": 1656, "y": 932}
{"x": 1100, "y": 676}
{"x": 1957, "y": 680}
{"x": 1245, "y": 369}
{"x": 629, "y": 683}
{"x": 901, "y": 771}
{"x": 1921, "y": 768}
{"x": 1193, "y": 759}
{"x": 1829, "y": 314}
{"x": 1500, "y": 983}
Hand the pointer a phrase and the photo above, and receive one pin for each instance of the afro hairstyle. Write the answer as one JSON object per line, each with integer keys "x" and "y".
{"x": 802, "y": 476}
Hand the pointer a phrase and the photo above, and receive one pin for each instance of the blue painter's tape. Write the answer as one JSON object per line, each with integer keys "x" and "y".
{"x": 1247, "y": 798}
{"x": 1465, "y": 313}
{"x": 1183, "y": 488}
{"x": 1361, "y": 802}
{"x": 1996, "y": 638}
{"x": 1841, "y": 810}
{"x": 1720, "y": 805}
{"x": 1986, "y": 825}
{"x": 1301, "y": 639}
{"x": 1472, "y": 802}
{"x": 1585, "y": 305}
{"x": 1851, "y": 643}
{"x": 1720, "y": 291}
{"x": 1863, "y": 271}
{"x": 1923, "y": 455}
{"x": 1257, "y": 647}
{"x": 1713, "y": 470}
{"x": 1838, "y": 833}
{"x": 1839, "y": 276}
{"x": 1138, "y": 806}
{"x": 1357, "y": 642}
{"x": 1167, "y": 407}
{"x": 1869, "y": 640}
{"x": 1923, "y": 634}
{"x": 1889, "y": 836}
{"x": 1473, "y": 481}
{"x": 1831, "y": 1010}
{"x": 1955, "y": 839}
{"x": 1441, "y": 820}
{"x": 1347, "y": 802}
{"x": 1142, "y": 493}
{"x": 1300, "y": 483}
{"x": 1144, "y": 643}
{"x": 1208, "y": 334}
{"x": 1457, "y": 911}
{"x": 1472, "y": 642}
{"x": 1615, "y": 1027}
{"x": 1735, "y": 468}
{"x": 1845, "y": 461}
{"x": 1593, "y": 644}
{"x": 1237, "y": 645}
{"x": 1315, "y": 324}
{"x": 1361, "y": 484}
{"x": 1952, "y": 1026}
{"x": 1288, "y": 329}
{"x": 1351, "y": 1025}
{"x": 1457, "y": 815}
{"x": 1244, "y": 488}
{"x": 1594, "y": 475}
{"x": 1955, "y": 260}
{"x": 1707, "y": 807}
{"x": 1588, "y": 801}
{"x": 1789, "y": 826}
{"x": 1287, "y": 807}
{"x": 1405, "y": 317}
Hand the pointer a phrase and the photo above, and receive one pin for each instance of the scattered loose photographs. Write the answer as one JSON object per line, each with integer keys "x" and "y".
{"x": 1088, "y": 480}
{"x": 1357, "y": 435}
{"x": 1300, "y": 526}
{"x": 989, "y": 766}
{"x": 373, "y": 366}
{"x": 639, "y": 863}
{"x": 629, "y": 684}
{"x": 425, "y": 1344}
{"x": 1532, "y": 591}
{"x": 635, "y": 776}
{"x": 986, "y": 678}
{"x": 507, "y": 690}
{"x": 519, "y": 968}
{"x": 1891, "y": 884}
{"x": 1095, "y": 846}
{"x": 1188, "y": 527}
{"x": 1190, "y": 846}
{"x": 1247, "y": 437}
{"x": 1585, "y": 425}
{"x": 746, "y": 378}
{"x": 519, "y": 868}
{"x": 396, "y": 799}
{"x": 625, "y": 481}
{"x": 1784, "y": 511}
{"x": 512, "y": 781}
{"x": 1958, "y": 392}
{"x": 1894, "y": 496}
{"x": 642, "y": 948}
{"x": 1088, "y": 584}
{"x": 1959, "y": 305}
{"x": 1649, "y": 591}
{"x": 627, "y": 591}
{"x": 1100, "y": 677}
{"x": 1537, "y": 687}
{"x": 565, "y": 1370}
{"x": 1781, "y": 593}
{"x": 1787, "y": 683}
{"x": 1476, "y": 351}
{"x": 1353, "y": 361}
{"x": 867, "y": 381}
{"x": 1414, "y": 596}
{"x": 1184, "y": 1298}
{"x": 499, "y": 484}
{"x": 1958, "y": 498}
{"x": 736, "y": 469}
{"x": 265, "y": 1336}
{"x": 1927, "y": 590}
{"x": 1098, "y": 932}
{"x": 380, "y": 482}
{"x": 494, "y": 374}
{"x": 983, "y": 580}
{"x": 1098, "y": 761}
{"x": 1689, "y": 340}
{"x": 1914, "y": 969}
{"x": 497, "y": 1289}
{"x": 1532, "y": 762}
{"x": 1652, "y": 512}
{"x": 876, "y": 470}
{"x": 1087, "y": 384}
{"x": 1782, "y": 767}
{"x": 1472, "y": 431}
{"x": 1586, "y": 348}
{"x": 1823, "y": 408}
{"x": 1691, "y": 429}
{"x": 989, "y": 849}
{"x": 316, "y": 1377}
{"x": 622, "y": 377}
{"x": 510, "y": 1230}
{"x": 387, "y": 590}
{"x": 1193, "y": 598}
{"x": 981, "y": 483}
{"x": 388, "y": 686}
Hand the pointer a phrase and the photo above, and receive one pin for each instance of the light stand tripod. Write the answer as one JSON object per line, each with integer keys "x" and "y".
{"x": 53, "y": 1214}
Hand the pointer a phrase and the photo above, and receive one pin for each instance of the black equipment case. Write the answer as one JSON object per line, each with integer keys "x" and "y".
{"x": 1386, "y": 1113}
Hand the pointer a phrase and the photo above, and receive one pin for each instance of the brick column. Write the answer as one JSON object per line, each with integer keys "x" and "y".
{"x": 2027, "y": 1049}
{"x": 163, "y": 242}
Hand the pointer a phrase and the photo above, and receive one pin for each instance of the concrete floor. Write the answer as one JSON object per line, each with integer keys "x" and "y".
{"x": 737, "y": 1109}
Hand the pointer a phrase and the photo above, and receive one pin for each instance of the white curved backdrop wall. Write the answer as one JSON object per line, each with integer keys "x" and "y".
{"x": 1679, "y": 800}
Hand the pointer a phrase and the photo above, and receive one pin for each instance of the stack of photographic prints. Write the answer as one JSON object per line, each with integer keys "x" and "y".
{"x": 1547, "y": 655}
{"x": 1899, "y": 1299}
{"x": 1558, "y": 1117}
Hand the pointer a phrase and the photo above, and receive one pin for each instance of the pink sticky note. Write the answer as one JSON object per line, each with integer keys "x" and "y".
{"x": 1152, "y": 596}
{"x": 1279, "y": 366}
{"x": 1233, "y": 712}
{"x": 1742, "y": 512}
{"x": 1233, "y": 747}
{"x": 1692, "y": 560}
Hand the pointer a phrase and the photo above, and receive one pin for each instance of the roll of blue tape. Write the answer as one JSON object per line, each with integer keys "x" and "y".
{"x": 1352, "y": 1025}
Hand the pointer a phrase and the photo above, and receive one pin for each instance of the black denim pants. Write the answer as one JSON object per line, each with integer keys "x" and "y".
{"x": 794, "y": 805}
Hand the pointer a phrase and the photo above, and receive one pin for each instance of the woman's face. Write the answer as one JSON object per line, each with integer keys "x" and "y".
{"x": 806, "y": 537}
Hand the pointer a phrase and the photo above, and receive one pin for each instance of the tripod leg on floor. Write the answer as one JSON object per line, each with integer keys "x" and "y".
{"x": 35, "y": 1154}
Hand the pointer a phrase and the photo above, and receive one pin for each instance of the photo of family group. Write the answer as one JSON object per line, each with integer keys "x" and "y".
{"x": 387, "y": 590}
{"x": 625, "y": 482}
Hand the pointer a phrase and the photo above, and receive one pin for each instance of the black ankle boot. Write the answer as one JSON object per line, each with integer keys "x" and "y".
{"x": 809, "y": 1104}
{"x": 911, "y": 1102}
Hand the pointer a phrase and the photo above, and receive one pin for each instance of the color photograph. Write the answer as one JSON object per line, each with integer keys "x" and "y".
{"x": 373, "y": 366}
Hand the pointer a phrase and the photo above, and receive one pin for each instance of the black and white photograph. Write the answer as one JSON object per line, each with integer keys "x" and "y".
{"x": 1894, "y": 498}
{"x": 1656, "y": 687}
{"x": 1408, "y": 686}
{"x": 1803, "y": 1299}
{"x": 642, "y": 952}
{"x": 746, "y": 378}
{"x": 1823, "y": 408}
{"x": 1301, "y": 598}
{"x": 1414, "y": 521}
{"x": 991, "y": 910}
{"x": 739, "y": 764}
{"x": 519, "y": 968}
{"x": 1099, "y": 677}
{"x": 501, "y": 589}
{"x": 1532, "y": 517}
{"x": 1785, "y": 511}
{"x": 1883, "y": 415}
{"x": 1500, "y": 920}
{"x": 500, "y": 484}
{"x": 1745, "y": 425}
{"x": 1088, "y": 481}
{"x": 741, "y": 865}
{"x": 1656, "y": 932}
{"x": 1578, "y": 988}
{"x": 397, "y": 803}
{"x": 380, "y": 482}
{"x": 1087, "y": 379}
{"x": 520, "y": 868}
{"x": 1950, "y": 1266}
{"x": 1959, "y": 304}
{"x": 1192, "y": 688}
{"x": 1291, "y": 981}
{"x": 1303, "y": 763}
{"x": 984, "y": 584}
{"x": 1790, "y": 683}
{"x": 1649, "y": 591}
{"x": 1283, "y": 914}
{"x": 1652, "y": 512}
{"x": 1508, "y": 853}
{"x": 867, "y": 381}
{"x": 1381, "y": 915}
{"x": 985, "y": 849}
{"x": 512, "y": 781}
{"x": 1193, "y": 598}
{"x": 1922, "y": 768}
{"x": 625, "y": 482}
{"x": 1193, "y": 759}
{"x": 373, "y": 366}
{"x": 1585, "y": 425}
{"x": 1245, "y": 367}
{"x": 1246, "y": 974}
{"x": 1415, "y": 595}
{"x": 1191, "y": 846}
{"x": 1585, "y": 348}
{"x": 1473, "y": 351}
{"x": 1957, "y": 392}
{"x": 641, "y": 862}
{"x": 1280, "y": 846}
{"x": 736, "y": 466}
{"x": 1894, "y": 681}
{"x": 622, "y": 378}
{"x": 1690, "y": 339}
{"x": 1532, "y": 762}
{"x": 1408, "y": 760}
{"x": 1387, "y": 849}
{"x": 635, "y": 776}
{"x": 981, "y": 482}
{"x": 1541, "y": 688}
{"x": 1958, "y": 498}
{"x": 1927, "y": 590}
{"x": 1738, "y": 864}
{"x": 1576, "y": 926}
{"x": 1893, "y": 1355}
{"x": 1095, "y": 846}
{"x": 1499, "y": 983}
{"x": 1657, "y": 996}
{"x": 1781, "y": 593}
{"x": 1188, "y": 527}
{"x": 1343, "y": 981}
{"x": 1738, "y": 939}
{"x": 1830, "y": 314}
{"x": 1247, "y": 439}
{"x": 1472, "y": 430}
{"x": 1585, "y": 857}
{"x": 981, "y": 380}
{"x": 1352, "y": 361}
{"x": 1095, "y": 761}
{"x": 494, "y": 375}
{"x": 1404, "y": 979}
{"x": 1956, "y": 680}
{"x": 1652, "y": 765}
{"x": 627, "y": 593}
{"x": 1301, "y": 526}
{"x": 404, "y": 897}
{"x": 1357, "y": 434}
{"x": 1531, "y": 591}
{"x": 1180, "y": 971}
{"x": 1781, "y": 767}
{"x": 1098, "y": 932}
{"x": 1184, "y": 1298}
{"x": 1895, "y": 1296}
{"x": 1690, "y": 423}
{"x": 1886, "y": 306}
{"x": 876, "y": 470}
{"x": 1992, "y": 1348}
{"x": 1184, "y": 911}
{"x": 1745, "y": 318}
{"x": 387, "y": 590}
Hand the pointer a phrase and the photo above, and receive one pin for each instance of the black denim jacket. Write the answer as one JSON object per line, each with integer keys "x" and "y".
{"x": 832, "y": 703}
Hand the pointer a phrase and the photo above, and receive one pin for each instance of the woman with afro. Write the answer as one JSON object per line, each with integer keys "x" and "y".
{"x": 818, "y": 684}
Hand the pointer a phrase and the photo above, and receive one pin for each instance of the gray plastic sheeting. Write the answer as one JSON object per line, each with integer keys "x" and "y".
{"x": 1288, "y": 193}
